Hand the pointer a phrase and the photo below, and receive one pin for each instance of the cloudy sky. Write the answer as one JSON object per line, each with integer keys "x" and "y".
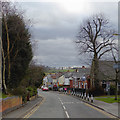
{"x": 55, "y": 25}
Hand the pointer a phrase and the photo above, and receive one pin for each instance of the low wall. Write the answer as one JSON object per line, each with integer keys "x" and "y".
{"x": 10, "y": 103}
{"x": 33, "y": 97}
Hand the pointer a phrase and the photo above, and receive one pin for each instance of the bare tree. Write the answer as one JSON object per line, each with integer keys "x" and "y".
{"x": 95, "y": 36}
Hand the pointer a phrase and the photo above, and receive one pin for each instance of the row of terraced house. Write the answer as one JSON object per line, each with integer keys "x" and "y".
{"x": 82, "y": 77}
{"x": 77, "y": 79}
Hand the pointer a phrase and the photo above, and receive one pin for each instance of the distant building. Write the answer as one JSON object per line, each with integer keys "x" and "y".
{"x": 78, "y": 79}
{"x": 47, "y": 81}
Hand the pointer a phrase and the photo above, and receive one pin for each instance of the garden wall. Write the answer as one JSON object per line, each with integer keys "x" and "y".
{"x": 10, "y": 103}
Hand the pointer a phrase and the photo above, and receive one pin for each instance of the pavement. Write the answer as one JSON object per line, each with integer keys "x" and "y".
{"x": 109, "y": 107}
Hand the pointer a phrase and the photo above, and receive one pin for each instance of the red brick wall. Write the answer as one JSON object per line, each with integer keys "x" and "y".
{"x": 10, "y": 103}
{"x": 71, "y": 83}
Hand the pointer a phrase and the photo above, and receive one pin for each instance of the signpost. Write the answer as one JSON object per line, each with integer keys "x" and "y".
{"x": 108, "y": 88}
{"x": 116, "y": 66}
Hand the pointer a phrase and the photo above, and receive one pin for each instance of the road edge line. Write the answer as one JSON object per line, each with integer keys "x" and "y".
{"x": 30, "y": 109}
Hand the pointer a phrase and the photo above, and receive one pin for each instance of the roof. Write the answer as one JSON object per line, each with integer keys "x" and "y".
{"x": 68, "y": 74}
{"x": 81, "y": 72}
{"x": 106, "y": 70}
{"x": 53, "y": 76}
{"x": 56, "y": 75}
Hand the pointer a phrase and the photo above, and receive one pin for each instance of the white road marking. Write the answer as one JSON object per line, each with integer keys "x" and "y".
{"x": 67, "y": 114}
{"x": 68, "y": 102}
{"x": 64, "y": 107}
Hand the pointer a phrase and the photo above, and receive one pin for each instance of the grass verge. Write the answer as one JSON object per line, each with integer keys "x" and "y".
{"x": 2, "y": 95}
{"x": 107, "y": 99}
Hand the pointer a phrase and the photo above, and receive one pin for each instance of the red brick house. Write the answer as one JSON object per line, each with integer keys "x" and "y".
{"x": 80, "y": 78}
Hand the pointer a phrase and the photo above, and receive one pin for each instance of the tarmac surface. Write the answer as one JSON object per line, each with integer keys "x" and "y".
{"x": 58, "y": 105}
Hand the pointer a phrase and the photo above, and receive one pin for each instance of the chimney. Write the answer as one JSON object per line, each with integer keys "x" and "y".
{"x": 76, "y": 70}
{"x": 83, "y": 67}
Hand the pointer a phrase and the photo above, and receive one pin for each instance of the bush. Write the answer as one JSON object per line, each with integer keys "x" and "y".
{"x": 112, "y": 89}
{"x": 96, "y": 91}
{"x": 19, "y": 91}
{"x": 35, "y": 91}
{"x": 32, "y": 91}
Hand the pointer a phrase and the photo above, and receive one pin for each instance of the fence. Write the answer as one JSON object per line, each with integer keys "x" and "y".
{"x": 79, "y": 93}
{"x": 76, "y": 90}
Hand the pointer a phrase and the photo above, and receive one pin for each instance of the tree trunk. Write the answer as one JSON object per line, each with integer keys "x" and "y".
{"x": 3, "y": 72}
{"x": 96, "y": 71}
{"x": 8, "y": 49}
{"x": 116, "y": 81}
{"x": 4, "y": 84}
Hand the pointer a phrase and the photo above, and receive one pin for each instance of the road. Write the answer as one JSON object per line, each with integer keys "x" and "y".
{"x": 56, "y": 105}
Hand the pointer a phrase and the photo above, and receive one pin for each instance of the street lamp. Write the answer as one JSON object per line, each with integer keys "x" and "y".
{"x": 116, "y": 66}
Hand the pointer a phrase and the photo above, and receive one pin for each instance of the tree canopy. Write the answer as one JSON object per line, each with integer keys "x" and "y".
{"x": 15, "y": 31}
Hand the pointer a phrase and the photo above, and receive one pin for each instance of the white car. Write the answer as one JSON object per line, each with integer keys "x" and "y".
{"x": 42, "y": 87}
{"x": 60, "y": 89}
{"x": 45, "y": 89}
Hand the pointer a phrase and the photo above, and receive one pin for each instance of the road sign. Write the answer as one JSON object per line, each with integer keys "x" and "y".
{"x": 83, "y": 78}
{"x": 107, "y": 86}
{"x": 116, "y": 66}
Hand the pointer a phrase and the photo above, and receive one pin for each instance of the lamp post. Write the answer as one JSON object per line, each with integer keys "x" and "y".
{"x": 116, "y": 66}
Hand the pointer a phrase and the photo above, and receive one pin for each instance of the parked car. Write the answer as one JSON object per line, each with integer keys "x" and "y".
{"x": 55, "y": 88}
{"x": 60, "y": 89}
{"x": 45, "y": 89}
{"x": 42, "y": 87}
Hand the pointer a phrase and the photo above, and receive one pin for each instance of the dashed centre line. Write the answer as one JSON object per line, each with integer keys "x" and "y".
{"x": 64, "y": 108}
{"x": 67, "y": 114}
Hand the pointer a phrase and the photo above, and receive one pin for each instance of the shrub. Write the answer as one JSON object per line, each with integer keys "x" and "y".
{"x": 112, "y": 89}
{"x": 35, "y": 91}
{"x": 19, "y": 91}
{"x": 96, "y": 91}
{"x": 32, "y": 91}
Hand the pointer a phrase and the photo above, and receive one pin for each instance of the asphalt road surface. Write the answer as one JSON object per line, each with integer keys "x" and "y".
{"x": 57, "y": 105}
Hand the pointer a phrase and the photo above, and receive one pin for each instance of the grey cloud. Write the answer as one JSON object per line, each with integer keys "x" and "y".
{"x": 50, "y": 51}
{"x": 53, "y": 33}
{"x": 54, "y": 30}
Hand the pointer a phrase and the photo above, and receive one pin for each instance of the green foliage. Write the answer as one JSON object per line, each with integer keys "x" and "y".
{"x": 34, "y": 76}
{"x": 20, "y": 48}
{"x": 19, "y": 91}
{"x": 31, "y": 90}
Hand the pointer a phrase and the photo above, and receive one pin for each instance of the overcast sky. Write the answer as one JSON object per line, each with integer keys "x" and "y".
{"x": 55, "y": 25}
